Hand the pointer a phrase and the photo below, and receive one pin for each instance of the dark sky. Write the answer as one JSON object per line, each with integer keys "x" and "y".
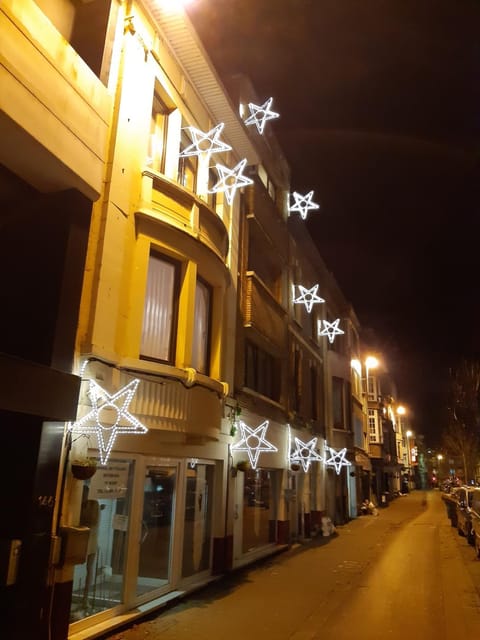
{"x": 380, "y": 115}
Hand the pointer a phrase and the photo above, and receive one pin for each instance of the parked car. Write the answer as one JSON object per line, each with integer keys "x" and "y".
{"x": 464, "y": 513}
{"x": 475, "y": 516}
{"x": 450, "y": 498}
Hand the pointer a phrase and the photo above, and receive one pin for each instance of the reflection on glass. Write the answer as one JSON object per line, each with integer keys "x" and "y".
{"x": 98, "y": 582}
{"x": 198, "y": 518}
{"x": 257, "y": 506}
{"x": 157, "y": 528}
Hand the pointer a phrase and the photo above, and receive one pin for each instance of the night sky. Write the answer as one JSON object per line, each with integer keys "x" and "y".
{"x": 380, "y": 115}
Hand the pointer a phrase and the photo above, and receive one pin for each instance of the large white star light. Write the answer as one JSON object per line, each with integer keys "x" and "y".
{"x": 305, "y": 453}
{"x": 253, "y": 441}
{"x": 109, "y": 417}
{"x": 205, "y": 143}
{"x": 303, "y": 204}
{"x": 337, "y": 459}
{"x": 259, "y": 115}
{"x": 230, "y": 180}
{"x": 308, "y": 297}
{"x": 330, "y": 329}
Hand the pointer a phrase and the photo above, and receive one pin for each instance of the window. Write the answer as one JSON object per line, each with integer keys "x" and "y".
{"x": 187, "y": 167}
{"x": 262, "y": 372}
{"x": 201, "y": 329}
{"x": 297, "y": 381}
{"x": 372, "y": 426}
{"x": 212, "y": 197}
{"x": 371, "y": 383}
{"x": 158, "y": 133}
{"x": 160, "y": 310}
{"x": 337, "y": 401}
{"x": 313, "y": 391}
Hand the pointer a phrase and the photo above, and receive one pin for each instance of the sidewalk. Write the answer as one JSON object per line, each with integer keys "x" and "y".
{"x": 271, "y": 598}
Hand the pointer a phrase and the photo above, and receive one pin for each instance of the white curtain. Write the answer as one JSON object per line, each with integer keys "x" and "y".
{"x": 200, "y": 328}
{"x": 159, "y": 309}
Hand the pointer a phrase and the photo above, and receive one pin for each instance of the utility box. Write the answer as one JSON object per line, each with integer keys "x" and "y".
{"x": 74, "y": 545}
{"x": 9, "y": 561}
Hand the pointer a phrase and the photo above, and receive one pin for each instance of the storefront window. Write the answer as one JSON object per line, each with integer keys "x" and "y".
{"x": 98, "y": 583}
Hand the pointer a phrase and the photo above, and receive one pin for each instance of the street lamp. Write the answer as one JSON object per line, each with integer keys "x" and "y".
{"x": 409, "y": 434}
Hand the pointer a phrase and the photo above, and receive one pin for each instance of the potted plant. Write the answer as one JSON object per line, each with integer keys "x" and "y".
{"x": 83, "y": 468}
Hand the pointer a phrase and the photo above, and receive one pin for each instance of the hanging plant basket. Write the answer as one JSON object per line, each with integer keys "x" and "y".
{"x": 84, "y": 469}
{"x": 243, "y": 465}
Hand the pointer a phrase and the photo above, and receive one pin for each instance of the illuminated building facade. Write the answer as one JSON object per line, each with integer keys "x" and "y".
{"x": 176, "y": 401}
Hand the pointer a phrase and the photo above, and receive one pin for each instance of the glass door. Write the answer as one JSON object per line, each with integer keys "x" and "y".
{"x": 157, "y": 532}
{"x": 197, "y": 531}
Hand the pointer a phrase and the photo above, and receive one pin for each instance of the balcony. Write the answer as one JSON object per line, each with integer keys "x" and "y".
{"x": 170, "y": 203}
{"x": 54, "y": 121}
{"x": 266, "y": 223}
{"x": 263, "y": 313}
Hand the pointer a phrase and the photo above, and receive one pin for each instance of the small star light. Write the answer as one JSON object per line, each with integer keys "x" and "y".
{"x": 259, "y": 115}
{"x": 305, "y": 453}
{"x": 337, "y": 459}
{"x": 253, "y": 442}
{"x": 109, "y": 417}
{"x": 330, "y": 329}
{"x": 206, "y": 143}
{"x": 303, "y": 204}
{"x": 308, "y": 297}
{"x": 230, "y": 180}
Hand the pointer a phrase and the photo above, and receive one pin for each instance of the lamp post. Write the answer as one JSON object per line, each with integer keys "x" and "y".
{"x": 439, "y": 458}
{"x": 409, "y": 434}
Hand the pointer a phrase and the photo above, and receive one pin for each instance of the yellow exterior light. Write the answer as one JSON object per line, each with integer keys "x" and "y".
{"x": 401, "y": 410}
{"x": 371, "y": 362}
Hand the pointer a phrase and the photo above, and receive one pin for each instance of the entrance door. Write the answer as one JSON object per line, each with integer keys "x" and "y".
{"x": 157, "y": 534}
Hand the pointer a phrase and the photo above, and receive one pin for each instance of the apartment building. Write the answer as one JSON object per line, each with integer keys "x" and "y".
{"x": 54, "y": 119}
{"x": 183, "y": 409}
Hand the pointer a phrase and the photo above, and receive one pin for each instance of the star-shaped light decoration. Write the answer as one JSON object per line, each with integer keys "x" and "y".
{"x": 230, "y": 180}
{"x": 308, "y": 297}
{"x": 259, "y": 115}
{"x": 253, "y": 442}
{"x": 303, "y": 204}
{"x": 337, "y": 459}
{"x": 330, "y": 329}
{"x": 109, "y": 417}
{"x": 205, "y": 143}
{"x": 305, "y": 453}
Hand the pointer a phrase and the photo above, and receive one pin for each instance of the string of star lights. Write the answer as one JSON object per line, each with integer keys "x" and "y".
{"x": 230, "y": 180}
{"x": 109, "y": 417}
{"x": 308, "y": 297}
{"x": 305, "y": 453}
{"x": 259, "y": 115}
{"x": 303, "y": 204}
{"x": 337, "y": 459}
{"x": 205, "y": 143}
{"x": 253, "y": 441}
{"x": 330, "y": 329}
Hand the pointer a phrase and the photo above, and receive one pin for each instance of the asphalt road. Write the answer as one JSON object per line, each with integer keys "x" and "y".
{"x": 403, "y": 574}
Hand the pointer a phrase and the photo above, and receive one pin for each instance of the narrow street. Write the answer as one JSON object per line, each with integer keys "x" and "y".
{"x": 405, "y": 573}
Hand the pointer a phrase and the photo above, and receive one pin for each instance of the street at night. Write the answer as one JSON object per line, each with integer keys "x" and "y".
{"x": 240, "y": 346}
{"x": 404, "y": 573}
